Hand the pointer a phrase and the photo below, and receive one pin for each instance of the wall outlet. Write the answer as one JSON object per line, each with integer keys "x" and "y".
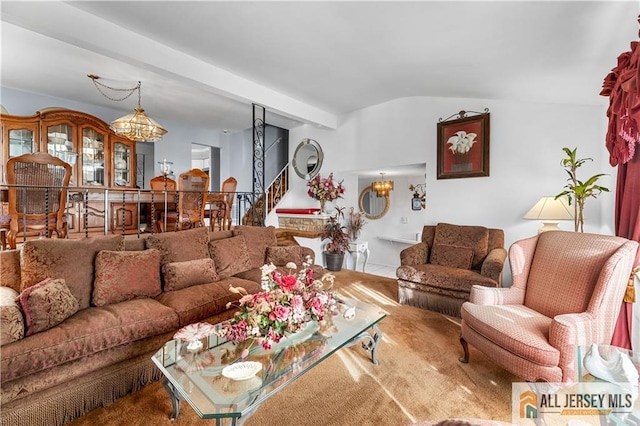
{"x": 404, "y": 220}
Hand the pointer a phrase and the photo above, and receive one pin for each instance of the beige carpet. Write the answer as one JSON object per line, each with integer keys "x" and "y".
{"x": 419, "y": 378}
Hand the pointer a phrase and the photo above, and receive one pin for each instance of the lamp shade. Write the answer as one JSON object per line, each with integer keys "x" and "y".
{"x": 549, "y": 211}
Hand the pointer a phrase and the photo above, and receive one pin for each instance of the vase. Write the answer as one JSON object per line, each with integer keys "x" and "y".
{"x": 334, "y": 261}
{"x": 353, "y": 235}
{"x": 322, "y": 206}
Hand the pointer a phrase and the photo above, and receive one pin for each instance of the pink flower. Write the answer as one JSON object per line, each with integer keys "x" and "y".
{"x": 288, "y": 282}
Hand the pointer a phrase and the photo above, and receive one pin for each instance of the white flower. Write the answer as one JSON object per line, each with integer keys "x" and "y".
{"x": 461, "y": 142}
{"x": 291, "y": 265}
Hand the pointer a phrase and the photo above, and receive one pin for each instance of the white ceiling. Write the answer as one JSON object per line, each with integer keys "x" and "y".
{"x": 206, "y": 62}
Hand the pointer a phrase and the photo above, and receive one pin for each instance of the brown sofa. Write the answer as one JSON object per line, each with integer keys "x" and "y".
{"x": 89, "y": 313}
{"x": 437, "y": 274}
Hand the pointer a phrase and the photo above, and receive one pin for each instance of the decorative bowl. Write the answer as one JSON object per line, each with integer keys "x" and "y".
{"x": 241, "y": 370}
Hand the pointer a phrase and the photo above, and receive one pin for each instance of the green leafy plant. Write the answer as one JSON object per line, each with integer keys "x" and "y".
{"x": 576, "y": 190}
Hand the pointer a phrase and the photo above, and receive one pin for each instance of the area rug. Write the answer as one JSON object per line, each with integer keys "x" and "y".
{"x": 418, "y": 379}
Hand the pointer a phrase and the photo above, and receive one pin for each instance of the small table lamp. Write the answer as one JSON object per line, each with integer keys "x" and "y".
{"x": 550, "y": 211}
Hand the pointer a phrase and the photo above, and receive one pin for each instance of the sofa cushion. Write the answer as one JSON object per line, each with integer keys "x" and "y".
{"x": 230, "y": 255}
{"x": 281, "y": 255}
{"x": 453, "y": 256}
{"x": 473, "y": 237}
{"x": 180, "y": 246}
{"x": 443, "y": 279}
{"x": 518, "y": 329}
{"x": 11, "y": 318}
{"x": 88, "y": 332}
{"x": 198, "y": 302}
{"x": 126, "y": 275}
{"x": 178, "y": 275}
{"x": 71, "y": 260}
{"x": 46, "y": 305}
{"x": 258, "y": 238}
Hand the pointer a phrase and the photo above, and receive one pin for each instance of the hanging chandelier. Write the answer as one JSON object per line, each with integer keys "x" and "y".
{"x": 136, "y": 126}
{"x": 382, "y": 187}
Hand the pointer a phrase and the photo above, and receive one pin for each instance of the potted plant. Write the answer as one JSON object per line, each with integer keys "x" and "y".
{"x": 576, "y": 190}
{"x": 324, "y": 189}
{"x": 339, "y": 242}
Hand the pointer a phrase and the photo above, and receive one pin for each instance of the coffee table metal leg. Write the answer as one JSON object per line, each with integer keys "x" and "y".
{"x": 175, "y": 398}
{"x": 371, "y": 344}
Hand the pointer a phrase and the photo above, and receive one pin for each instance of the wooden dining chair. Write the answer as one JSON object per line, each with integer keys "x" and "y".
{"x": 37, "y": 195}
{"x": 193, "y": 187}
{"x": 163, "y": 183}
{"x": 223, "y": 201}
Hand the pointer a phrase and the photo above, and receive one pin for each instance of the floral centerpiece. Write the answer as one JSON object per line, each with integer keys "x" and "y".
{"x": 283, "y": 307}
{"x": 325, "y": 189}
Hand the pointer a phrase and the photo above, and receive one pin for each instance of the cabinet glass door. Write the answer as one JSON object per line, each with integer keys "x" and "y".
{"x": 60, "y": 142}
{"x": 21, "y": 141}
{"x": 93, "y": 158}
{"x": 122, "y": 164}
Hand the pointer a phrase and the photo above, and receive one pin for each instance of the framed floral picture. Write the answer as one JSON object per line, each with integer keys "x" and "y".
{"x": 463, "y": 146}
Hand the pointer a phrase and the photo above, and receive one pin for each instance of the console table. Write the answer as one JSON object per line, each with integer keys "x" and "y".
{"x": 355, "y": 249}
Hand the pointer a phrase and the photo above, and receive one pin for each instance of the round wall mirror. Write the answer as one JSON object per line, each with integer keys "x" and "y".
{"x": 372, "y": 206}
{"x": 307, "y": 159}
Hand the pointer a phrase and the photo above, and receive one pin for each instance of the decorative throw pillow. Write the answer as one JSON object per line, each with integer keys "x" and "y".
{"x": 11, "y": 318}
{"x": 126, "y": 275}
{"x": 180, "y": 246}
{"x": 69, "y": 259}
{"x": 474, "y": 237}
{"x": 257, "y": 238}
{"x": 46, "y": 305}
{"x": 230, "y": 256}
{"x": 281, "y": 255}
{"x": 179, "y": 275}
{"x": 452, "y": 256}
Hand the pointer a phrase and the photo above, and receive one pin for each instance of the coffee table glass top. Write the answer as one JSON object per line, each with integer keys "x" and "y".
{"x": 197, "y": 376}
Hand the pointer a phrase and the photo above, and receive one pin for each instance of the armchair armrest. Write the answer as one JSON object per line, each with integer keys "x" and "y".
{"x": 417, "y": 254}
{"x": 494, "y": 264}
{"x": 574, "y": 329}
{"x": 481, "y": 295}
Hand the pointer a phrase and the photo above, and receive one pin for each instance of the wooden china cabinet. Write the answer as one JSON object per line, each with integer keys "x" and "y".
{"x": 104, "y": 161}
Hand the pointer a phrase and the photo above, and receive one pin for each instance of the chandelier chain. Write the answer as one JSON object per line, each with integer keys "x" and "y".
{"x": 116, "y": 89}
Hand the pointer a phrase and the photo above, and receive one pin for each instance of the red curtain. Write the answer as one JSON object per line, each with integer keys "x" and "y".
{"x": 622, "y": 86}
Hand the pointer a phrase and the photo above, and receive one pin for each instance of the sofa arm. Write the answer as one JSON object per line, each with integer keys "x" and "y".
{"x": 493, "y": 265}
{"x": 285, "y": 236}
{"x": 481, "y": 295}
{"x": 417, "y": 254}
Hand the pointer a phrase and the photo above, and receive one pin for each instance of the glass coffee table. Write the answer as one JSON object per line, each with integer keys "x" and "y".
{"x": 196, "y": 375}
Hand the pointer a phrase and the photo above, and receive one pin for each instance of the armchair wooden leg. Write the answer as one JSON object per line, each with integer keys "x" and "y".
{"x": 465, "y": 348}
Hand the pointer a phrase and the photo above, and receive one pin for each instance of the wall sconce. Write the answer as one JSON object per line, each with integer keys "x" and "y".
{"x": 550, "y": 211}
{"x": 419, "y": 200}
{"x": 382, "y": 187}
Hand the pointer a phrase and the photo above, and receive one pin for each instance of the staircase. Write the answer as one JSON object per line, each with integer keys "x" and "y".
{"x": 273, "y": 194}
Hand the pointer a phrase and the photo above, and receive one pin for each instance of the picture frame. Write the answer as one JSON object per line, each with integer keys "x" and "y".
{"x": 463, "y": 145}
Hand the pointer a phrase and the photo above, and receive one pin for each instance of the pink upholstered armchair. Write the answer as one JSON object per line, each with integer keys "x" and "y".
{"x": 567, "y": 291}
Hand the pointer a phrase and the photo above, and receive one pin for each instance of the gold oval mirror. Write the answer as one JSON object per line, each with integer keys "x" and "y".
{"x": 307, "y": 159}
{"x": 372, "y": 206}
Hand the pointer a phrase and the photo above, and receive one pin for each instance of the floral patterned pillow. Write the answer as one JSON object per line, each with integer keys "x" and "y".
{"x": 230, "y": 256}
{"x": 281, "y": 255}
{"x": 452, "y": 256}
{"x": 47, "y": 304}
{"x": 179, "y": 275}
{"x": 126, "y": 275}
{"x": 11, "y": 318}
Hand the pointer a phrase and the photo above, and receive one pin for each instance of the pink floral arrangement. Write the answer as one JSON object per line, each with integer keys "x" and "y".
{"x": 283, "y": 307}
{"x": 325, "y": 189}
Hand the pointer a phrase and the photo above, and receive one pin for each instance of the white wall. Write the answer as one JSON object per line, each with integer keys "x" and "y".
{"x": 526, "y": 143}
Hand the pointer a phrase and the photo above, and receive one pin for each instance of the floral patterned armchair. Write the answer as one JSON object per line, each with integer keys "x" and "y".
{"x": 437, "y": 274}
